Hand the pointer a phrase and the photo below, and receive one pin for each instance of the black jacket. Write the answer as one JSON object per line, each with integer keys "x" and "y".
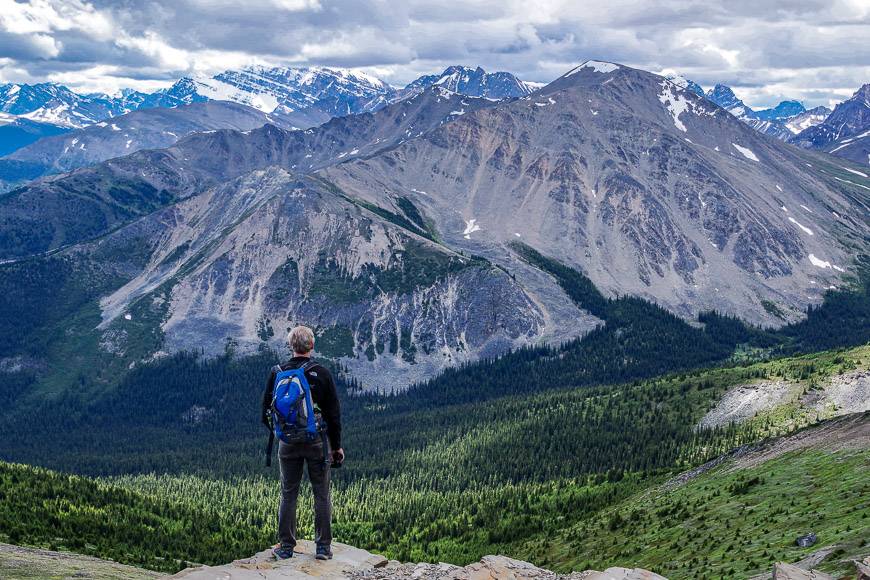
{"x": 323, "y": 394}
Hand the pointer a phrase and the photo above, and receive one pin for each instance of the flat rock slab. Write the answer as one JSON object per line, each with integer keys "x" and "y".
{"x": 496, "y": 568}
{"x": 351, "y": 563}
{"x": 618, "y": 574}
{"x": 301, "y": 566}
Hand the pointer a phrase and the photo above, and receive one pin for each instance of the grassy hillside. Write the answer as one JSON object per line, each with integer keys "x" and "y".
{"x": 736, "y": 520}
{"x": 443, "y": 483}
{"x": 47, "y": 509}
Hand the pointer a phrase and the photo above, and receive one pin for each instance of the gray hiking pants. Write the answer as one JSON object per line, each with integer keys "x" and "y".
{"x": 293, "y": 458}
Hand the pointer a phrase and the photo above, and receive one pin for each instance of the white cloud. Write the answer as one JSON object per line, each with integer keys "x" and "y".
{"x": 813, "y": 50}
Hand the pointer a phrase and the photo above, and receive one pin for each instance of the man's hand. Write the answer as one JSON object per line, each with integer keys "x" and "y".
{"x": 338, "y": 456}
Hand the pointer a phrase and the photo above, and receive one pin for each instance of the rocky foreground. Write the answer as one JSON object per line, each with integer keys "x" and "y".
{"x": 354, "y": 564}
{"x": 19, "y": 563}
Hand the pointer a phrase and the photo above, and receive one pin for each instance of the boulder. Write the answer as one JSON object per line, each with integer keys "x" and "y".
{"x": 863, "y": 569}
{"x": 807, "y": 540}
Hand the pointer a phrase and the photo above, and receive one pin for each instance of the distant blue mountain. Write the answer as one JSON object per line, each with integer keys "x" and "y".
{"x": 16, "y": 133}
{"x": 784, "y": 110}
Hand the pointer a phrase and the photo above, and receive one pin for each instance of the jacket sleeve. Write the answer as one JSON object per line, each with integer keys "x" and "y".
{"x": 331, "y": 409}
{"x": 267, "y": 399}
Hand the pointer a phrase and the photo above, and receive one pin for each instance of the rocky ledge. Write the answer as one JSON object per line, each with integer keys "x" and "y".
{"x": 354, "y": 564}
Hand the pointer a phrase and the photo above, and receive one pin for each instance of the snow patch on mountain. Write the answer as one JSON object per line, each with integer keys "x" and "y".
{"x": 807, "y": 119}
{"x": 824, "y": 264}
{"x": 677, "y": 103}
{"x": 596, "y": 65}
{"x": 800, "y": 225}
{"x": 746, "y": 152}
{"x": 862, "y": 174}
{"x": 217, "y": 90}
{"x": 471, "y": 226}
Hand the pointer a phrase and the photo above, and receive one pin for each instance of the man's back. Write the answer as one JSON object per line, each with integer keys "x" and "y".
{"x": 323, "y": 393}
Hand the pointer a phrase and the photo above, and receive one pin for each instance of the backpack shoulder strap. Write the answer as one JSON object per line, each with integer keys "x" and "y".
{"x": 269, "y": 446}
{"x": 311, "y": 426}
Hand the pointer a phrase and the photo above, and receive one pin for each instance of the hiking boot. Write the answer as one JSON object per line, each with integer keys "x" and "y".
{"x": 282, "y": 553}
{"x": 324, "y": 553}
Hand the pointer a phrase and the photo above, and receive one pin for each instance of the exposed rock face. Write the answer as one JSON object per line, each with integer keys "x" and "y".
{"x": 354, "y": 564}
{"x": 841, "y": 394}
{"x": 249, "y": 260}
{"x": 746, "y": 401}
{"x": 496, "y": 568}
{"x": 647, "y": 188}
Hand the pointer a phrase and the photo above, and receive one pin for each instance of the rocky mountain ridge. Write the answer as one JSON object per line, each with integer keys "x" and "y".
{"x": 845, "y": 132}
{"x": 152, "y": 128}
{"x": 300, "y": 97}
{"x": 225, "y": 251}
{"x": 781, "y": 122}
{"x": 565, "y": 171}
{"x": 645, "y": 187}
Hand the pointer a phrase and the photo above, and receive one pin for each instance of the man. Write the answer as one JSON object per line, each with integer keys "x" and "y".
{"x": 294, "y": 456}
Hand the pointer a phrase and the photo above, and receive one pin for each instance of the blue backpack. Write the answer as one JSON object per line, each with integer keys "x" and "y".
{"x": 292, "y": 409}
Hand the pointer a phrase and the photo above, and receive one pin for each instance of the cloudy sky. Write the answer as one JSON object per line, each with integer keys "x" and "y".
{"x": 813, "y": 50}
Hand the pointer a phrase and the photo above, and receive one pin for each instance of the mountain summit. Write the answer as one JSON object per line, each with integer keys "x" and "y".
{"x": 644, "y": 186}
{"x": 476, "y": 82}
{"x": 724, "y": 97}
{"x": 845, "y": 132}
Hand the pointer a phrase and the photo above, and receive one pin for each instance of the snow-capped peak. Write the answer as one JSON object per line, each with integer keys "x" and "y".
{"x": 598, "y": 66}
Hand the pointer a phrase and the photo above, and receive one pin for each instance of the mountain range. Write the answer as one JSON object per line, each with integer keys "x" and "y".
{"x": 289, "y": 98}
{"x": 782, "y": 122}
{"x": 845, "y": 132}
{"x": 394, "y": 232}
{"x": 151, "y": 128}
{"x": 309, "y": 96}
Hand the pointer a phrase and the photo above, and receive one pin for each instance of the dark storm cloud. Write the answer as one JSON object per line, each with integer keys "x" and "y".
{"x": 807, "y": 49}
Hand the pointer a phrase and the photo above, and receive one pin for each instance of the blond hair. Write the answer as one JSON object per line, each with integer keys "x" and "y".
{"x": 301, "y": 339}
